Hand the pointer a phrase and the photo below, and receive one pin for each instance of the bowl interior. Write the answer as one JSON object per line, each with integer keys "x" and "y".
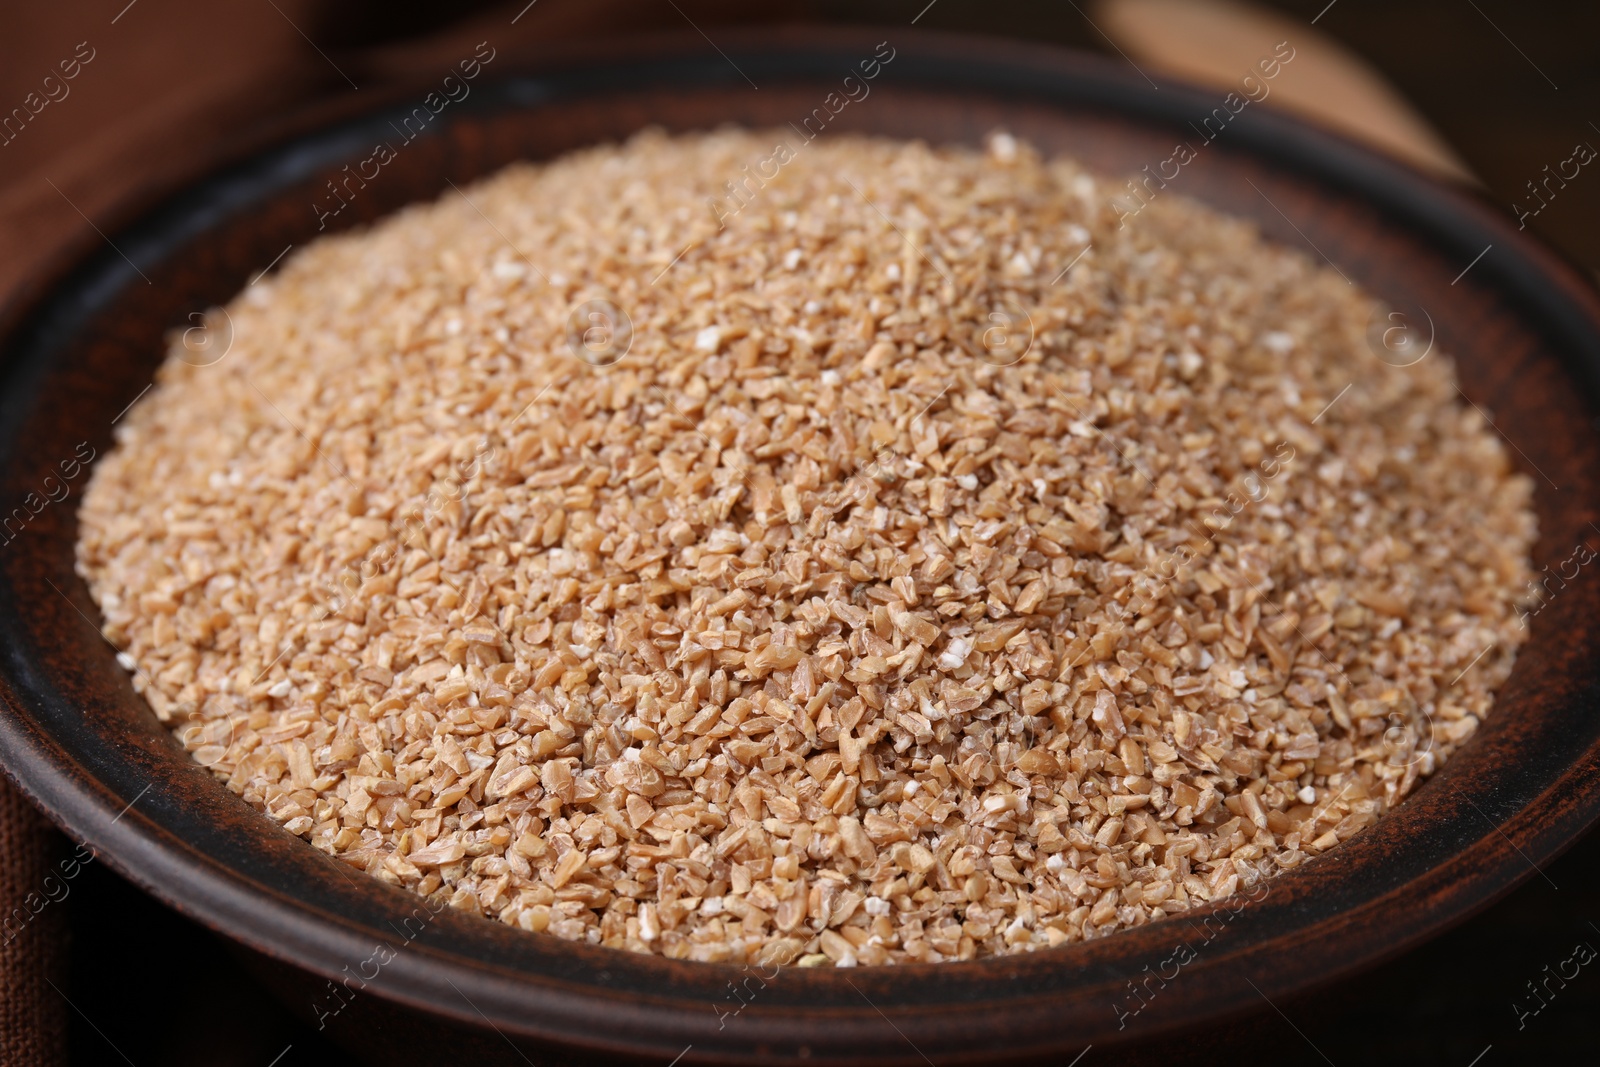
{"x": 1521, "y": 325}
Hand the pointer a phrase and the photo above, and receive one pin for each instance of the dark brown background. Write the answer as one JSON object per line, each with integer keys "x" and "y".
{"x": 1513, "y": 87}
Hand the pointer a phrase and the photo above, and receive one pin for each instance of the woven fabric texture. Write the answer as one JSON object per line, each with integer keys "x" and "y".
{"x": 35, "y": 882}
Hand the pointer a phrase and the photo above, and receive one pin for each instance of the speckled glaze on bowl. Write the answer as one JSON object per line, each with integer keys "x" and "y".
{"x": 1524, "y": 326}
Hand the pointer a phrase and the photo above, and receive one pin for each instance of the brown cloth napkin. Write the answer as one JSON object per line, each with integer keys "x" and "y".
{"x": 33, "y": 928}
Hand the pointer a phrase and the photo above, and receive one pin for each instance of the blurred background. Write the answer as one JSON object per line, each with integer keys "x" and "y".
{"x": 1487, "y": 93}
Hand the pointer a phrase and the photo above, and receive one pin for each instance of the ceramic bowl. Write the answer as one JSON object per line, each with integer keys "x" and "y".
{"x": 397, "y": 984}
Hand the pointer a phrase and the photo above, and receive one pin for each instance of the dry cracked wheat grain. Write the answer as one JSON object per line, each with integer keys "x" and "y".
{"x": 804, "y": 632}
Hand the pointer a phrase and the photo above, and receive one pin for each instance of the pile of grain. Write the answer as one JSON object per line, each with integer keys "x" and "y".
{"x": 808, "y": 630}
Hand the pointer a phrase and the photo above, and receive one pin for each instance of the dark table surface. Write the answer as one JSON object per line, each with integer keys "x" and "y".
{"x": 1511, "y": 86}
